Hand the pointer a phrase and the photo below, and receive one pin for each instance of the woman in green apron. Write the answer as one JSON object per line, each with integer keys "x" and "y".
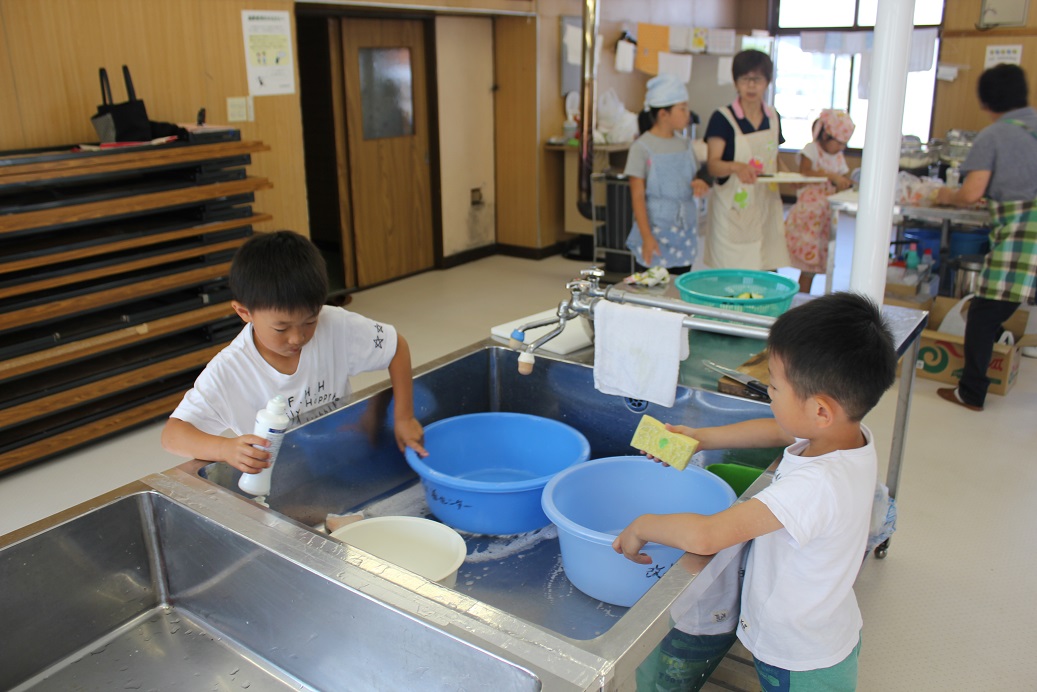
{"x": 746, "y": 218}
{"x": 1002, "y": 165}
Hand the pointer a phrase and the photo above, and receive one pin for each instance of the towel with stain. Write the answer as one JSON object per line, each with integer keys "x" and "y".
{"x": 637, "y": 351}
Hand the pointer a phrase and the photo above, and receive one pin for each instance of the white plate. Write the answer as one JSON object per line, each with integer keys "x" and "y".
{"x": 786, "y": 177}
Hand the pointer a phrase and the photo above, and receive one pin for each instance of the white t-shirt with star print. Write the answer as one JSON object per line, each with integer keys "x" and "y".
{"x": 238, "y": 382}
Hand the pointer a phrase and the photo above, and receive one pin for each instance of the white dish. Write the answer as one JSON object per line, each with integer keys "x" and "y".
{"x": 787, "y": 177}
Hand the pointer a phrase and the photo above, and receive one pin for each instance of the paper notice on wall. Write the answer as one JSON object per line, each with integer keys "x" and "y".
{"x": 677, "y": 65}
{"x": 679, "y": 38}
{"x": 651, "y": 39}
{"x": 721, "y": 41}
{"x": 724, "y": 70}
{"x": 946, "y": 73}
{"x": 572, "y": 43}
{"x": 1013, "y": 55}
{"x": 268, "y": 52}
{"x": 625, "y": 56}
{"x": 697, "y": 39}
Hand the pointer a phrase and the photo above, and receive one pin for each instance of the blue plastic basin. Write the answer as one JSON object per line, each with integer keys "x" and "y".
{"x": 591, "y": 503}
{"x": 485, "y": 472}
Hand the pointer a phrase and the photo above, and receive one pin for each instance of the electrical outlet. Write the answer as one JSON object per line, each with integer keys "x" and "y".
{"x": 476, "y": 196}
{"x": 237, "y": 109}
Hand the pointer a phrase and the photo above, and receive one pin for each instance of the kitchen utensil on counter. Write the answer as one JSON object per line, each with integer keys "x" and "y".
{"x": 751, "y": 382}
{"x": 485, "y": 472}
{"x": 742, "y": 290}
{"x": 425, "y": 547}
{"x": 592, "y": 503}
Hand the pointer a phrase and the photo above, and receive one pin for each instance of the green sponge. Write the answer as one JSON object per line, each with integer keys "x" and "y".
{"x": 652, "y": 437}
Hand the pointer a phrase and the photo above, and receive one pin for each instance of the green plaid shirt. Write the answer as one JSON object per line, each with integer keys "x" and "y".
{"x": 1010, "y": 270}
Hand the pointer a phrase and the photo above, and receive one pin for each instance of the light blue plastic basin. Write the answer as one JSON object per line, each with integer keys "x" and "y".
{"x": 591, "y": 503}
{"x": 485, "y": 472}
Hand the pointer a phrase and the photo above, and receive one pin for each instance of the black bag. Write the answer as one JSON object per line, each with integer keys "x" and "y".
{"x": 121, "y": 122}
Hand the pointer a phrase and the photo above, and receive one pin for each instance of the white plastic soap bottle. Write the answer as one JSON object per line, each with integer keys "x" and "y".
{"x": 271, "y": 424}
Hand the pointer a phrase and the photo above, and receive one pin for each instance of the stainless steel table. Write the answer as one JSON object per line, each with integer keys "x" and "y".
{"x": 848, "y": 201}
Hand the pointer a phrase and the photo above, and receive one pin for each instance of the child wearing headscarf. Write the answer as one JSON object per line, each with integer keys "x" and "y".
{"x": 661, "y": 167}
{"x": 808, "y": 225}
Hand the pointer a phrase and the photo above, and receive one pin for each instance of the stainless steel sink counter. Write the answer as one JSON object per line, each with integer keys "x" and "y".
{"x": 180, "y": 581}
{"x": 348, "y": 461}
{"x": 169, "y": 583}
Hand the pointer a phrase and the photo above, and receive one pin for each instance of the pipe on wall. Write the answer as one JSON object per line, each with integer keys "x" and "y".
{"x": 588, "y": 102}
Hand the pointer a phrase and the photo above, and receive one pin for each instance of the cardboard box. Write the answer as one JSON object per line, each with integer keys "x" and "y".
{"x": 900, "y": 282}
{"x": 919, "y": 301}
{"x": 942, "y": 356}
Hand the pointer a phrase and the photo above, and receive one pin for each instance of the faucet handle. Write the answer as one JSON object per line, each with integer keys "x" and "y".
{"x": 593, "y": 272}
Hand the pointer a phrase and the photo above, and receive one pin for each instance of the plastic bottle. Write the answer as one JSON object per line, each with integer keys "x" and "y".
{"x": 271, "y": 424}
{"x": 911, "y": 258}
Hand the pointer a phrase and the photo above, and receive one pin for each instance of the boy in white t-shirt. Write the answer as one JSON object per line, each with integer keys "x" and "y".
{"x": 292, "y": 345}
{"x": 831, "y": 359}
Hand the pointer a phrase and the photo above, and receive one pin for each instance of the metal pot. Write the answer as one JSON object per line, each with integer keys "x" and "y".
{"x": 967, "y": 269}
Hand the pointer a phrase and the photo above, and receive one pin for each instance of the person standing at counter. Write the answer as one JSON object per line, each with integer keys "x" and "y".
{"x": 808, "y": 225}
{"x": 292, "y": 345}
{"x": 746, "y": 219}
{"x": 661, "y": 167}
{"x": 1002, "y": 165}
{"x": 831, "y": 359}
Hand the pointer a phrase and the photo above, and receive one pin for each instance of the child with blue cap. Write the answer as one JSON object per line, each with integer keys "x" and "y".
{"x": 661, "y": 167}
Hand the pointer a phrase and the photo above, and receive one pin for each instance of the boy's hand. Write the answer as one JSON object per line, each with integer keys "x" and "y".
{"x": 409, "y": 433}
{"x": 239, "y": 453}
{"x": 683, "y": 430}
{"x": 629, "y": 544}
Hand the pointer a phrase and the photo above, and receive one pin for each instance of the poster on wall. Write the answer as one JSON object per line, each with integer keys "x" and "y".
{"x": 1013, "y": 55}
{"x": 268, "y": 52}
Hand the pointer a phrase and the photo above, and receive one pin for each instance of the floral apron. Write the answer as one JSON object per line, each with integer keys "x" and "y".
{"x": 808, "y": 225}
{"x": 671, "y": 208}
{"x": 747, "y": 222}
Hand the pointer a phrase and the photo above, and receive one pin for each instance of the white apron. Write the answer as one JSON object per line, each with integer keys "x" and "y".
{"x": 747, "y": 222}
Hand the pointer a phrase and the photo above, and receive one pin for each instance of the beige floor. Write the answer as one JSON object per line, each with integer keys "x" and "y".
{"x": 951, "y": 607}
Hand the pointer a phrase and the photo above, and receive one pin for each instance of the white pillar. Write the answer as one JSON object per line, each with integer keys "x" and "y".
{"x": 893, "y": 26}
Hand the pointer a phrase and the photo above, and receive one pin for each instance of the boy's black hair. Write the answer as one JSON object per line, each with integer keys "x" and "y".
{"x": 279, "y": 271}
{"x": 1003, "y": 88}
{"x": 837, "y": 345}
{"x": 752, "y": 61}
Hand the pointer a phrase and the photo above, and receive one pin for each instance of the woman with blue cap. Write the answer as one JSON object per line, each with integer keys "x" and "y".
{"x": 661, "y": 167}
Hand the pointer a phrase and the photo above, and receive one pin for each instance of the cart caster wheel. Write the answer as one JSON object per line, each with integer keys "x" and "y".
{"x": 881, "y": 549}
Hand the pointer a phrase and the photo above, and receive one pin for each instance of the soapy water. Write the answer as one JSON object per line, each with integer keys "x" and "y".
{"x": 502, "y": 547}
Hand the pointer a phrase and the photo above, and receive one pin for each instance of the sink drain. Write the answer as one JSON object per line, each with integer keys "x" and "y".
{"x": 635, "y": 405}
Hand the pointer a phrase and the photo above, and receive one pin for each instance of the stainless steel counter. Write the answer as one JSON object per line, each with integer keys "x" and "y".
{"x": 847, "y": 202}
{"x": 264, "y": 586}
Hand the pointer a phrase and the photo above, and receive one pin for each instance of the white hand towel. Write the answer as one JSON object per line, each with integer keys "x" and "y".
{"x": 637, "y": 351}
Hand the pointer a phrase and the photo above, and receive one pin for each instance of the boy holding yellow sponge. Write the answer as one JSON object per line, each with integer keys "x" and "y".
{"x": 670, "y": 447}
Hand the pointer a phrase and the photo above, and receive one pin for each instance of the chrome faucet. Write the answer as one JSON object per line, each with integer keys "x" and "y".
{"x": 586, "y": 291}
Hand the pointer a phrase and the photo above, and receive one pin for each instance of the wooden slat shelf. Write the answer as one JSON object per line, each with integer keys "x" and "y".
{"x": 126, "y": 206}
{"x": 28, "y": 171}
{"x": 129, "y": 243}
{"x": 89, "y": 432}
{"x": 107, "y": 263}
{"x": 75, "y": 305}
{"x": 47, "y": 405}
{"x": 84, "y": 348}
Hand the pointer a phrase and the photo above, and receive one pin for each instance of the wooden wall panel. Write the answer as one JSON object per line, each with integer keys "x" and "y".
{"x": 515, "y": 121}
{"x": 184, "y": 55}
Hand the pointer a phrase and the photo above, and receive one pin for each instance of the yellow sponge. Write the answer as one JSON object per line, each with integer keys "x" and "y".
{"x": 652, "y": 437}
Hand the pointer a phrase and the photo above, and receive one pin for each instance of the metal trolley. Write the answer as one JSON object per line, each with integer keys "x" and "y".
{"x": 613, "y": 221}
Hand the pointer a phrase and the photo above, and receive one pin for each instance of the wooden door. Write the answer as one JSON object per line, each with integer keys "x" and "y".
{"x": 388, "y": 142}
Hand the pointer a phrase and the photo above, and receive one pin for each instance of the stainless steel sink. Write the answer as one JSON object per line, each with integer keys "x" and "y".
{"x": 348, "y": 461}
{"x": 170, "y": 584}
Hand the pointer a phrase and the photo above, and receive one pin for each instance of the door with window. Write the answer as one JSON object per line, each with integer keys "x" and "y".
{"x": 387, "y": 136}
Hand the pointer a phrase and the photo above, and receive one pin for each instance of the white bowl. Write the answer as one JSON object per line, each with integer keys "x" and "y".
{"x": 425, "y": 547}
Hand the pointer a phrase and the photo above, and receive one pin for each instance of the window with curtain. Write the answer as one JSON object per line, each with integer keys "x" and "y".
{"x": 822, "y": 60}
